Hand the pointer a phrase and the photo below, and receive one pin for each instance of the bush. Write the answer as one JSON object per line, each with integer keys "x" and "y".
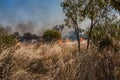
{"x": 27, "y": 36}
{"x": 16, "y": 34}
{"x": 51, "y": 35}
{"x": 6, "y": 40}
{"x": 106, "y": 42}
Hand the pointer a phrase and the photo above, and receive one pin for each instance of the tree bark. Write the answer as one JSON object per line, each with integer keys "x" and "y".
{"x": 78, "y": 39}
{"x": 91, "y": 27}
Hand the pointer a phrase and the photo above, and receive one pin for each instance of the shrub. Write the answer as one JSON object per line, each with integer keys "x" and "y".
{"x": 27, "y": 36}
{"x": 106, "y": 42}
{"x": 51, "y": 35}
{"x": 16, "y": 34}
{"x": 6, "y": 40}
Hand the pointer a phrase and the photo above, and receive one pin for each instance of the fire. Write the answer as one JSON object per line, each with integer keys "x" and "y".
{"x": 67, "y": 40}
{"x": 60, "y": 42}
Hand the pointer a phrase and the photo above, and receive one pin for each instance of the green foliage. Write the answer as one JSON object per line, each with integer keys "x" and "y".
{"x": 77, "y": 11}
{"x": 73, "y": 10}
{"x": 116, "y": 4}
{"x": 51, "y": 35}
{"x": 6, "y": 40}
{"x": 103, "y": 35}
{"x": 114, "y": 31}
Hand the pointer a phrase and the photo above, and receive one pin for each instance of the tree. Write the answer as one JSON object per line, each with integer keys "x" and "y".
{"x": 72, "y": 10}
{"x": 59, "y": 28}
{"x": 115, "y": 4}
{"x": 96, "y": 11}
{"x": 51, "y": 35}
{"x": 103, "y": 36}
{"x": 81, "y": 30}
{"x": 77, "y": 10}
{"x": 99, "y": 36}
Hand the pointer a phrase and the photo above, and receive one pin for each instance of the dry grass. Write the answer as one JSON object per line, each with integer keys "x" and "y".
{"x": 58, "y": 62}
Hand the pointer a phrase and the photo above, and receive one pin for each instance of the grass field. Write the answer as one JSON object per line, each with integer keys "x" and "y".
{"x": 58, "y": 62}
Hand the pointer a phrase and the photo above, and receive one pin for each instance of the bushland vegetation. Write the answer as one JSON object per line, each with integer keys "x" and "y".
{"x": 100, "y": 61}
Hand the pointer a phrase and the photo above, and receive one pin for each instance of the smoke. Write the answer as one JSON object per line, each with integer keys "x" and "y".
{"x": 25, "y": 28}
{"x": 43, "y": 13}
{"x": 33, "y": 16}
{"x": 30, "y": 27}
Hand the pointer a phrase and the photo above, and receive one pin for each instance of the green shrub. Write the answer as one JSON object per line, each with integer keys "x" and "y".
{"x": 106, "y": 42}
{"x": 51, "y": 35}
{"x": 7, "y": 40}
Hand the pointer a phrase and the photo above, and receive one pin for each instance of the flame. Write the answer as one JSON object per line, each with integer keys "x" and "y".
{"x": 60, "y": 42}
{"x": 67, "y": 40}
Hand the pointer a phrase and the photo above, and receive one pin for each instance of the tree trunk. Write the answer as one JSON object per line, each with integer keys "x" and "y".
{"x": 88, "y": 44}
{"x": 78, "y": 39}
{"x": 78, "y": 42}
{"x": 91, "y": 27}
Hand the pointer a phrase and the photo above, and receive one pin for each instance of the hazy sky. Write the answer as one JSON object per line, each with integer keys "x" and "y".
{"x": 42, "y": 12}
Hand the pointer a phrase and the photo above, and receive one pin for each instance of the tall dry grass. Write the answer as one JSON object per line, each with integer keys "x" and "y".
{"x": 59, "y": 62}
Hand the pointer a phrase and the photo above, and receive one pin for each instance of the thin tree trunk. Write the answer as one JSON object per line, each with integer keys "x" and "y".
{"x": 78, "y": 39}
{"x": 88, "y": 44}
{"x": 78, "y": 42}
{"x": 91, "y": 27}
{"x": 76, "y": 32}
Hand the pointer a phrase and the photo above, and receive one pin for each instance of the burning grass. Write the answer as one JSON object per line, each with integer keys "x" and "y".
{"x": 58, "y": 62}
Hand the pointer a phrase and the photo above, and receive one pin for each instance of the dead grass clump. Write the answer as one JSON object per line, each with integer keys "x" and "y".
{"x": 6, "y": 66}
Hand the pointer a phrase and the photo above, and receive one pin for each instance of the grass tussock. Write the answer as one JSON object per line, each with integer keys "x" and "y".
{"x": 59, "y": 62}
